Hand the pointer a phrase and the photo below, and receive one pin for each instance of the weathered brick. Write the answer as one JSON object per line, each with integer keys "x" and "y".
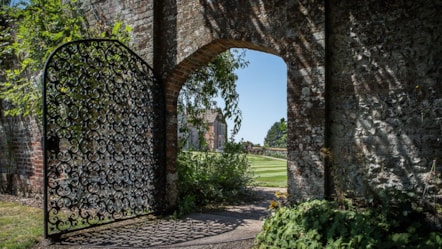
{"x": 364, "y": 81}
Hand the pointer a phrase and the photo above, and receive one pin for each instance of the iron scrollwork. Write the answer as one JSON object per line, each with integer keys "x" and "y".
{"x": 104, "y": 134}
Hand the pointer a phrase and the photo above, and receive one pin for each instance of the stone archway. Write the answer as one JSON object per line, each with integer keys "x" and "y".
{"x": 383, "y": 74}
{"x": 176, "y": 37}
{"x": 299, "y": 188}
{"x": 191, "y": 33}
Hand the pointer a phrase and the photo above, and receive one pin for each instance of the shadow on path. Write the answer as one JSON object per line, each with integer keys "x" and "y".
{"x": 198, "y": 230}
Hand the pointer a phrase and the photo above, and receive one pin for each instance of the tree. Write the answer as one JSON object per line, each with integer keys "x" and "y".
{"x": 40, "y": 26}
{"x": 34, "y": 30}
{"x": 277, "y": 135}
{"x": 200, "y": 91}
{"x": 208, "y": 177}
{"x": 5, "y": 2}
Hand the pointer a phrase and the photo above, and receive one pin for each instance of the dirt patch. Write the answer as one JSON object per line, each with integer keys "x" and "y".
{"x": 36, "y": 201}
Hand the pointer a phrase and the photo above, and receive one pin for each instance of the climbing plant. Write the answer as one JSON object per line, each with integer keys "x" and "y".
{"x": 330, "y": 224}
{"x": 29, "y": 33}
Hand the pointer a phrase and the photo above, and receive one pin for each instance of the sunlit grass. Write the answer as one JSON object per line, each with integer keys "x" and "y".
{"x": 20, "y": 226}
{"x": 268, "y": 172}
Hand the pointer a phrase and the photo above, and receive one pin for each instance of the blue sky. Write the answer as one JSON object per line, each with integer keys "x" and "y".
{"x": 18, "y": 1}
{"x": 262, "y": 88}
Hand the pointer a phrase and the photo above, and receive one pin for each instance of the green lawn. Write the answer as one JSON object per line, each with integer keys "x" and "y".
{"x": 20, "y": 226}
{"x": 268, "y": 172}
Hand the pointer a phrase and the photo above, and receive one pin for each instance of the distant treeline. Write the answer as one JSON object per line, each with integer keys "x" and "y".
{"x": 273, "y": 152}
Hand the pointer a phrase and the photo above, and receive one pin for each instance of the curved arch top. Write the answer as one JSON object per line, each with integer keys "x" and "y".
{"x": 377, "y": 53}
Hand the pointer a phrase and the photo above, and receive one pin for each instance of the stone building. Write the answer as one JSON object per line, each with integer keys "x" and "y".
{"x": 215, "y": 136}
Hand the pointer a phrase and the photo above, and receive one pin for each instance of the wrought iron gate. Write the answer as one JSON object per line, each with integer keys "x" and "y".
{"x": 103, "y": 136}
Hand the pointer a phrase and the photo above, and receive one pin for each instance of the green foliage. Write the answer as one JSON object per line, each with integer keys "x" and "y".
{"x": 325, "y": 224}
{"x": 277, "y": 135}
{"x": 282, "y": 154}
{"x": 207, "y": 178}
{"x": 31, "y": 34}
{"x": 216, "y": 80}
{"x": 233, "y": 148}
{"x": 5, "y": 2}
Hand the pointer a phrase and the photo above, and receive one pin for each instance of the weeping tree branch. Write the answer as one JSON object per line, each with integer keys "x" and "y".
{"x": 215, "y": 81}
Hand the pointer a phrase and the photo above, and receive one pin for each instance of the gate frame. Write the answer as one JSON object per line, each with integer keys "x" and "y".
{"x": 160, "y": 150}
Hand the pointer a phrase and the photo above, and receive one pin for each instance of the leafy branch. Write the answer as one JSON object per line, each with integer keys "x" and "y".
{"x": 204, "y": 86}
{"x": 27, "y": 37}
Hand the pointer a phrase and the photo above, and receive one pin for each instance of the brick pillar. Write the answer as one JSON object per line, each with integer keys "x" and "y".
{"x": 171, "y": 146}
{"x": 36, "y": 156}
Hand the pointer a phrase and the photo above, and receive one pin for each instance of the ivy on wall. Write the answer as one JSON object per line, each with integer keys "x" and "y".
{"x": 29, "y": 32}
{"x": 28, "y": 35}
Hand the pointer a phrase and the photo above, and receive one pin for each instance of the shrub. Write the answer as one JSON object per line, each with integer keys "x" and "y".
{"x": 206, "y": 178}
{"x": 325, "y": 224}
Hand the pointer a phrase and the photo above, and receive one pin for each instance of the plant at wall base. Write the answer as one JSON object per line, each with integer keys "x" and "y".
{"x": 433, "y": 179}
{"x": 281, "y": 200}
{"x": 389, "y": 218}
{"x": 329, "y": 224}
{"x": 207, "y": 178}
{"x": 402, "y": 202}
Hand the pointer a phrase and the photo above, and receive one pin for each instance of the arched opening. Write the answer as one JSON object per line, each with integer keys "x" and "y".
{"x": 262, "y": 89}
{"x": 177, "y": 78}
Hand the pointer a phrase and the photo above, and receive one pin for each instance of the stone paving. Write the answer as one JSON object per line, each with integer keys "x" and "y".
{"x": 152, "y": 233}
{"x": 234, "y": 224}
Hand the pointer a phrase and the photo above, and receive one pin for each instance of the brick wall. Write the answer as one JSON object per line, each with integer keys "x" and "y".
{"x": 21, "y": 157}
{"x": 363, "y": 88}
{"x": 136, "y": 13}
{"x": 184, "y": 35}
{"x": 364, "y": 99}
{"x": 196, "y": 31}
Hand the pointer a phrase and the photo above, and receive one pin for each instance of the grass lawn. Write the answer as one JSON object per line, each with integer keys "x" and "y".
{"x": 268, "y": 172}
{"x": 20, "y": 226}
